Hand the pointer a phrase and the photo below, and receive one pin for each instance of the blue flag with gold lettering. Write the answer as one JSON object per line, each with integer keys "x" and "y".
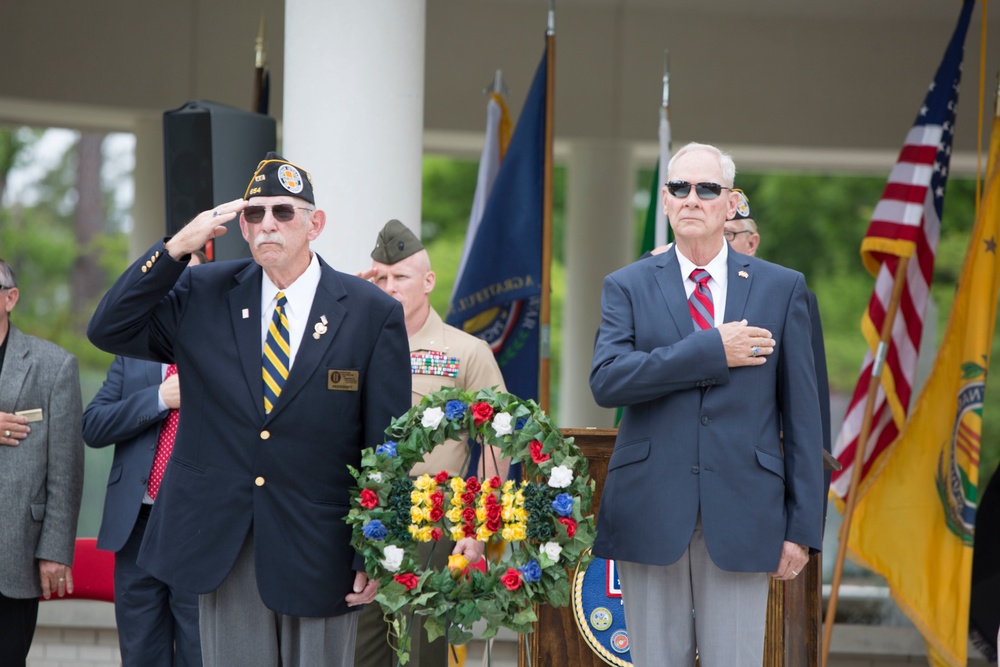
{"x": 497, "y": 296}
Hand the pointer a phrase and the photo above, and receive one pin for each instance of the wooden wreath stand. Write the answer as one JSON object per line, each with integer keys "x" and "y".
{"x": 794, "y": 609}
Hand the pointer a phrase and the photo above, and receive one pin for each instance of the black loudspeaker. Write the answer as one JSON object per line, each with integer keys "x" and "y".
{"x": 210, "y": 152}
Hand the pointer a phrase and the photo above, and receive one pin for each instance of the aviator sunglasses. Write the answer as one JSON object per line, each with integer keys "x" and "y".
{"x": 281, "y": 212}
{"x": 682, "y": 189}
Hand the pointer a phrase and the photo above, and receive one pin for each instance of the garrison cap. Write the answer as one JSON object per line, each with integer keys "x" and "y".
{"x": 742, "y": 206}
{"x": 395, "y": 243}
{"x": 275, "y": 177}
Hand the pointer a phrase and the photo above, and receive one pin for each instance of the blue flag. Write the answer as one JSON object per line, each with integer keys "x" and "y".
{"x": 497, "y": 295}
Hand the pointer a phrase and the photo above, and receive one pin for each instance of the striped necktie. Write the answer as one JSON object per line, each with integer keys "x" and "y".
{"x": 700, "y": 302}
{"x": 275, "y": 362}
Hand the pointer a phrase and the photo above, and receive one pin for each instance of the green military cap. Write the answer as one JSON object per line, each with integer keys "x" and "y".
{"x": 395, "y": 243}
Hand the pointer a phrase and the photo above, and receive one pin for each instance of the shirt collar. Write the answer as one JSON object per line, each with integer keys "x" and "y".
{"x": 299, "y": 292}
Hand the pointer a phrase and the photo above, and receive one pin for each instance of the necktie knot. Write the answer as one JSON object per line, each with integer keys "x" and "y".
{"x": 701, "y": 276}
{"x": 282, "y": 300}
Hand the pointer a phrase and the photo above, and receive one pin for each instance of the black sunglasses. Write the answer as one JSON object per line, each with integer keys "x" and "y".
{"x": 281, "y": 212}
{"x": 682, "y": 189}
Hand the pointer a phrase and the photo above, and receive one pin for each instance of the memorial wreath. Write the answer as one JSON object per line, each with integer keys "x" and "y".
{"x": 545, "y": 519}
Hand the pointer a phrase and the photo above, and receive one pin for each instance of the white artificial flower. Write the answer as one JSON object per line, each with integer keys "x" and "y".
{"x": 552, "y": 550}
{"x": 561, "y": 477}
{"x": 375, "y": 477}
{"x": 432, "y": 417}
{"x": 502, "y": 424}
{"x": 393, "y": 557}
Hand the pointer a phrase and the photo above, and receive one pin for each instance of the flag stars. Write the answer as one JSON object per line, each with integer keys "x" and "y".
{"x": 939, "y": 192}
{"x": 991, "y": 244}
{"x": 923, "y": 110}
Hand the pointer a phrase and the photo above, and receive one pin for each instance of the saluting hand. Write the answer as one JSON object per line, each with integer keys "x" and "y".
{"x": 205, "y": 226}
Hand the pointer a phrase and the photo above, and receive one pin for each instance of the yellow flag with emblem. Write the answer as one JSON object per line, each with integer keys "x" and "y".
{"x": 916, "y": 514}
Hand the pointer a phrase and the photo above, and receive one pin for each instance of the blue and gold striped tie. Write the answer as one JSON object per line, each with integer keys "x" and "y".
{"x": 276, "y": 352}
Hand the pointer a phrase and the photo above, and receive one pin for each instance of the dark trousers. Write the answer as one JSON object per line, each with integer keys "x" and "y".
{"x": 17, "y": 628}
{"x": 157, "y": 623}
{"x": 373, "y": 649}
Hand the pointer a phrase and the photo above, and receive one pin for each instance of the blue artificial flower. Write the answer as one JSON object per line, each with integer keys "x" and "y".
{"x": 563, "y": 504}
{"x": 375, "y": 530}
{"x": 454, "y": 409}
{"x": 389, "y": 449}
{"x": 519, "y": 424}
{"x": 531, "y": 571}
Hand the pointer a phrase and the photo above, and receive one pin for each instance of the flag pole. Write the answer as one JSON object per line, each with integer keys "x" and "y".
{"x": 546, "y": 307}
{"x": 660, "y": 233}
{"x": 859, "y": 452}
{"x": 260, "y": 62}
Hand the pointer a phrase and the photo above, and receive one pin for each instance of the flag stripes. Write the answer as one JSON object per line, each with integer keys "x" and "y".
{"x": 906, "y": 222}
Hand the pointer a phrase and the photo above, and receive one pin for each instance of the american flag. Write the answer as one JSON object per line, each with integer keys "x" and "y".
{"x": 906, "y": 223}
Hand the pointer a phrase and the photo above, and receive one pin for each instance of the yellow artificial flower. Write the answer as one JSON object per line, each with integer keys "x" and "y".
{"x": 424, "y": 482}
{"x": 457, "y": 562}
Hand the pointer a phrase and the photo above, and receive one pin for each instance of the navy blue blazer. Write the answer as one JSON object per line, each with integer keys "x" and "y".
{"x": 698, "y": 436}
{"x": 234, "y": 467}
{"x": 125, "y": 413}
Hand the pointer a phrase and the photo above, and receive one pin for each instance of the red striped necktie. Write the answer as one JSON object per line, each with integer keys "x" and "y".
{"x": 700, "y": 302}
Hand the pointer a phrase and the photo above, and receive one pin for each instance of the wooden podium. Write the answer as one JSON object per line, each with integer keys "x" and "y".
{"x": 794, "y": 609}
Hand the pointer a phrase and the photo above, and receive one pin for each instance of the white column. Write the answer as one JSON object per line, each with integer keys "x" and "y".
{"x": 148, "y": 210}
{"x": 353, "y": 116}
{"x": 599, "y": 239}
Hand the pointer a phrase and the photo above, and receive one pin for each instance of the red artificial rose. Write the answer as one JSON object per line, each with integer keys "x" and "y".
{"x": 437, "y": 499}
{"x": 408, "y": 579}
{"x": 472, "y": 485}
{"x": 469, "y": 498}
{"x": 436, "y": 514}
{"x": 536, "y": 452}
{"x": 469, "y": 531}
{"x": 512, "y": 579}
{"x": 493, "y": 523}
{"x": 481, "y": 412}
{"x": 469, "y": 515}
{"x": 436, "y": 534}
{"x": 491, "y": 501}
{"x": 495, "y": 482}
{"x": 493, "y": 512}
{"x": 441, "y": 477}
{"x": 570, "y": 525}
{"x": 369, "y": 499}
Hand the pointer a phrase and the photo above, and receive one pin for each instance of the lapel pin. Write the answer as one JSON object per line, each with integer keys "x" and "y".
{"x": 246, "y": 313}
{"x": 320, "y": 327}
{"x": 743, "y": 274}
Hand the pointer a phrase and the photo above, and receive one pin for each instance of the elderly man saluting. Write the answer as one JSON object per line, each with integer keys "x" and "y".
{"x": 288, "y": 370}
{"x": 709, "y": 353}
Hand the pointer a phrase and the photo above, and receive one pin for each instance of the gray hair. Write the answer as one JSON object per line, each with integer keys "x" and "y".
{"x": 7, "y": 275}
{"x": 725, "y": 161}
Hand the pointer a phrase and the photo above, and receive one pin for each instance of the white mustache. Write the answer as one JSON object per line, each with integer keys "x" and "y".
{"x": 268, "y": 237}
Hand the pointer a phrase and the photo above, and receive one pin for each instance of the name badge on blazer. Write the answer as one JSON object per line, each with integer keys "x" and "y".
{"x": 32, "y": 415}
{"x": 341, "y": 380}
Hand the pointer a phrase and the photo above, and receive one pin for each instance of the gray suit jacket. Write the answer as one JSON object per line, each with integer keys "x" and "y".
{"x": 41, "y": 480}
{"x": 699, "y": 437}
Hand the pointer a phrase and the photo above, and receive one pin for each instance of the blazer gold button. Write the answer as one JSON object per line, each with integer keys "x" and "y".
{"x": 259, "y": 481}
{"x": 264, "y": 435}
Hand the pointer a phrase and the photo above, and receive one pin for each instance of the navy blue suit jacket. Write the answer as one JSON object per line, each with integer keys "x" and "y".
{"x": 234, "y": 467}
{"x": 125, "y": 413}
{"x": 698, "y": 436}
